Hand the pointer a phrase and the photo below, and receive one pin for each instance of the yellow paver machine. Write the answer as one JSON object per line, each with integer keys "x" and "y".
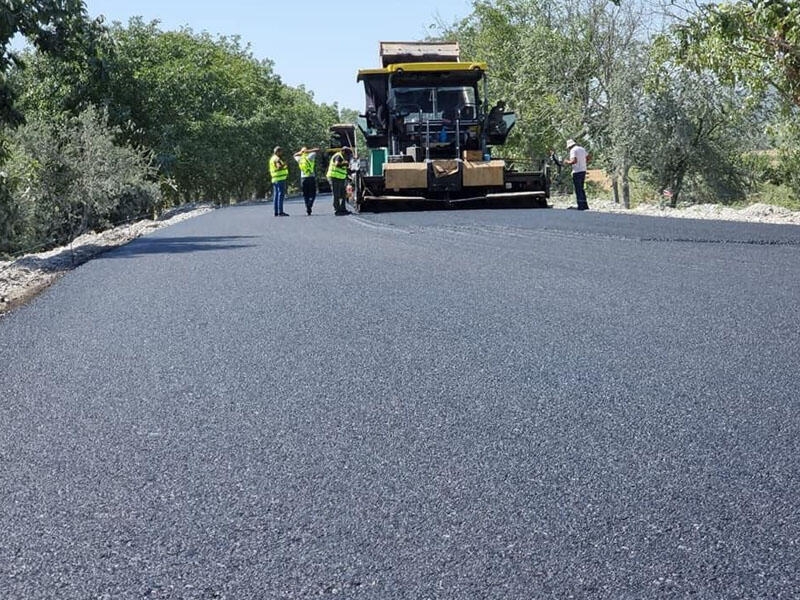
{"x": 431, "y": 136}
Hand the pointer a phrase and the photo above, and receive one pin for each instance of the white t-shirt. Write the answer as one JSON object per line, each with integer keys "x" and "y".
{"x": 578, "y": 154}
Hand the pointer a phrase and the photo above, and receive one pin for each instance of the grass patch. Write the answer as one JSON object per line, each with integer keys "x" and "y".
{"x": 776, "y": 195}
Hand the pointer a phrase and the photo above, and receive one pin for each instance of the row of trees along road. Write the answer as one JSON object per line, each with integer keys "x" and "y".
{"x": 699, "y": 101}
{"x": 105, "y": 123}
{"x": 101, "y": 123}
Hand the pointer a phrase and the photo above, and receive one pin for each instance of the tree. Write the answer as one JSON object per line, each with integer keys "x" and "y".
{"x": 626, "y": 120}
{"x": 693, "y": 139}
{"x": 50, "y": 86}
{"x": 52, "y": 26}
{"x": 572, "y": 69}
{"x": 68, "y": 176}
{"x": 615, "y": 51}
{"x": 525, "y": 50}
{"x": 551, "y": 62}
{"x": 210, "y": 111}
{"x": 755, "y": 43}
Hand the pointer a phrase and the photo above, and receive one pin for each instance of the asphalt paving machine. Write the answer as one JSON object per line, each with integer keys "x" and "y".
{"x": 431, "y": 136}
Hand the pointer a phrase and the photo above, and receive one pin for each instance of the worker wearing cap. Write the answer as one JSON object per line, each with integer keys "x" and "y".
{"x": 577, "y": 158}
{"x": 278, "y": 172}
{"x": 337, "y": 177}
{"x": 307, "y": 161}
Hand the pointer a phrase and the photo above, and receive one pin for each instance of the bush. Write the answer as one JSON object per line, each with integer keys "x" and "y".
{"x": 17, "y": 209}
{"x": 68, "y": 177}
{"x": 777, "y": 195}
{"x": 758, "y": 168}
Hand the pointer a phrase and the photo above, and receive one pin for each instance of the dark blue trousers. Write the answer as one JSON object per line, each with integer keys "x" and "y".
{"x": 578, "y": 180}
{"x": 278, "y": 194}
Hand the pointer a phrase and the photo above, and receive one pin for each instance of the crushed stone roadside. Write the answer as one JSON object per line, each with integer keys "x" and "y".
{"x": 24, "y": 277}
{"x": 753, "y": 213}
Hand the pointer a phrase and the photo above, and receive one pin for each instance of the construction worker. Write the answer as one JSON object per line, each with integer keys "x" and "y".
{"x": 578, "y": 159}
{"x": 307, "y": 161}
{"x": 278, "y": 172}
{"x": 337, "y": 177}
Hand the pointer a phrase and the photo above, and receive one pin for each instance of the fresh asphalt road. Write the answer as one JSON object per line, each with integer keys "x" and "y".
{"x": 457, "y": 404}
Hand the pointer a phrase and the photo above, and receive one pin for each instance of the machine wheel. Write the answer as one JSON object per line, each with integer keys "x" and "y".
{"x": 358, "y": 192}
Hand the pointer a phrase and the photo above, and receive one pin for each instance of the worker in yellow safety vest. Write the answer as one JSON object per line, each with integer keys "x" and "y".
{"x": 278, "y": 172}
{"x": 337, "y": 177}
{"x": 307, "y": 161}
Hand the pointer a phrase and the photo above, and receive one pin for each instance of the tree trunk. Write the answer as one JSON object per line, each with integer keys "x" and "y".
{"x": 615, "y": 186}
{"x": 626, "y": 183}
{"x": 677, "y": 184}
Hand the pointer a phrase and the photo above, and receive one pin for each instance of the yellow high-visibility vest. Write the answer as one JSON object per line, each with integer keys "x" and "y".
{"x": 334, "y": 171}
{"x": 278, "y": 170}
{"x": 307, "y": 166}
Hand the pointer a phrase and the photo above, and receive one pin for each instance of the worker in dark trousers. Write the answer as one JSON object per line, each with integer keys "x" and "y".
{"x": 337, "y": 177}
{"x": 307, "y": 161}
{"x": 577, "y": 158}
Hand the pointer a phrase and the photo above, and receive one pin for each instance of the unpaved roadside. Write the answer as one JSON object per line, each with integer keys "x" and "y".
{"x": 754, "y": 213}
{"x": 23, "y": 278}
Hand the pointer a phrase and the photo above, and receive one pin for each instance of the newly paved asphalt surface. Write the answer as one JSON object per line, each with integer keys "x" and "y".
{"x": 479, "y": 404}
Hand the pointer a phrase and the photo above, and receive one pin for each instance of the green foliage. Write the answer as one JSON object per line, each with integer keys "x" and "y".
{"x": 16, "y": 208}
{"x": 50, "y": 86}
{"x": 586, "y": 69}
{"x": 553, "y": 63}
{"x": 777, "y": 195}
{"x": 754, "y": 42}
{"x": 190, "y": 99}
{"x": 54, "y": 27}
{"x": 695, "y": 138}
{"x": 787, "y": 141}
{"x": 197, "y": 116}
{"x": 208, "y": 110}
{"x": 64, "y": 178}
{"x": 524, "y": 52}
{"x": 759, "y": 168}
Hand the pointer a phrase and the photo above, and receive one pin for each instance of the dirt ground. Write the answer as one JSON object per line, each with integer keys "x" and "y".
{"x": 24, "y": 277}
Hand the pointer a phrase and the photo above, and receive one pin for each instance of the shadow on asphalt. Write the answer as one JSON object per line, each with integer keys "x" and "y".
{"x": 261, "y": 202}
{"x": 180, "y": 245}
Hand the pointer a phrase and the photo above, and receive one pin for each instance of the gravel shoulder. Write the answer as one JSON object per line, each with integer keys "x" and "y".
{"x": 24, "y": 277}
{"x": 754, "y": 213}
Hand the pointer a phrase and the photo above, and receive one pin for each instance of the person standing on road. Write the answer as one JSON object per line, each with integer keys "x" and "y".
{"x": 577, "y": 158}
{"x": 307, "y": 161}
{"x": 337, "y": 177}
{"x": 278, "y": 172}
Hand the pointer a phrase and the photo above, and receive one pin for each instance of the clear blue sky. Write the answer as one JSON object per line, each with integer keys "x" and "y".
{"x": 315, "y": 43}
